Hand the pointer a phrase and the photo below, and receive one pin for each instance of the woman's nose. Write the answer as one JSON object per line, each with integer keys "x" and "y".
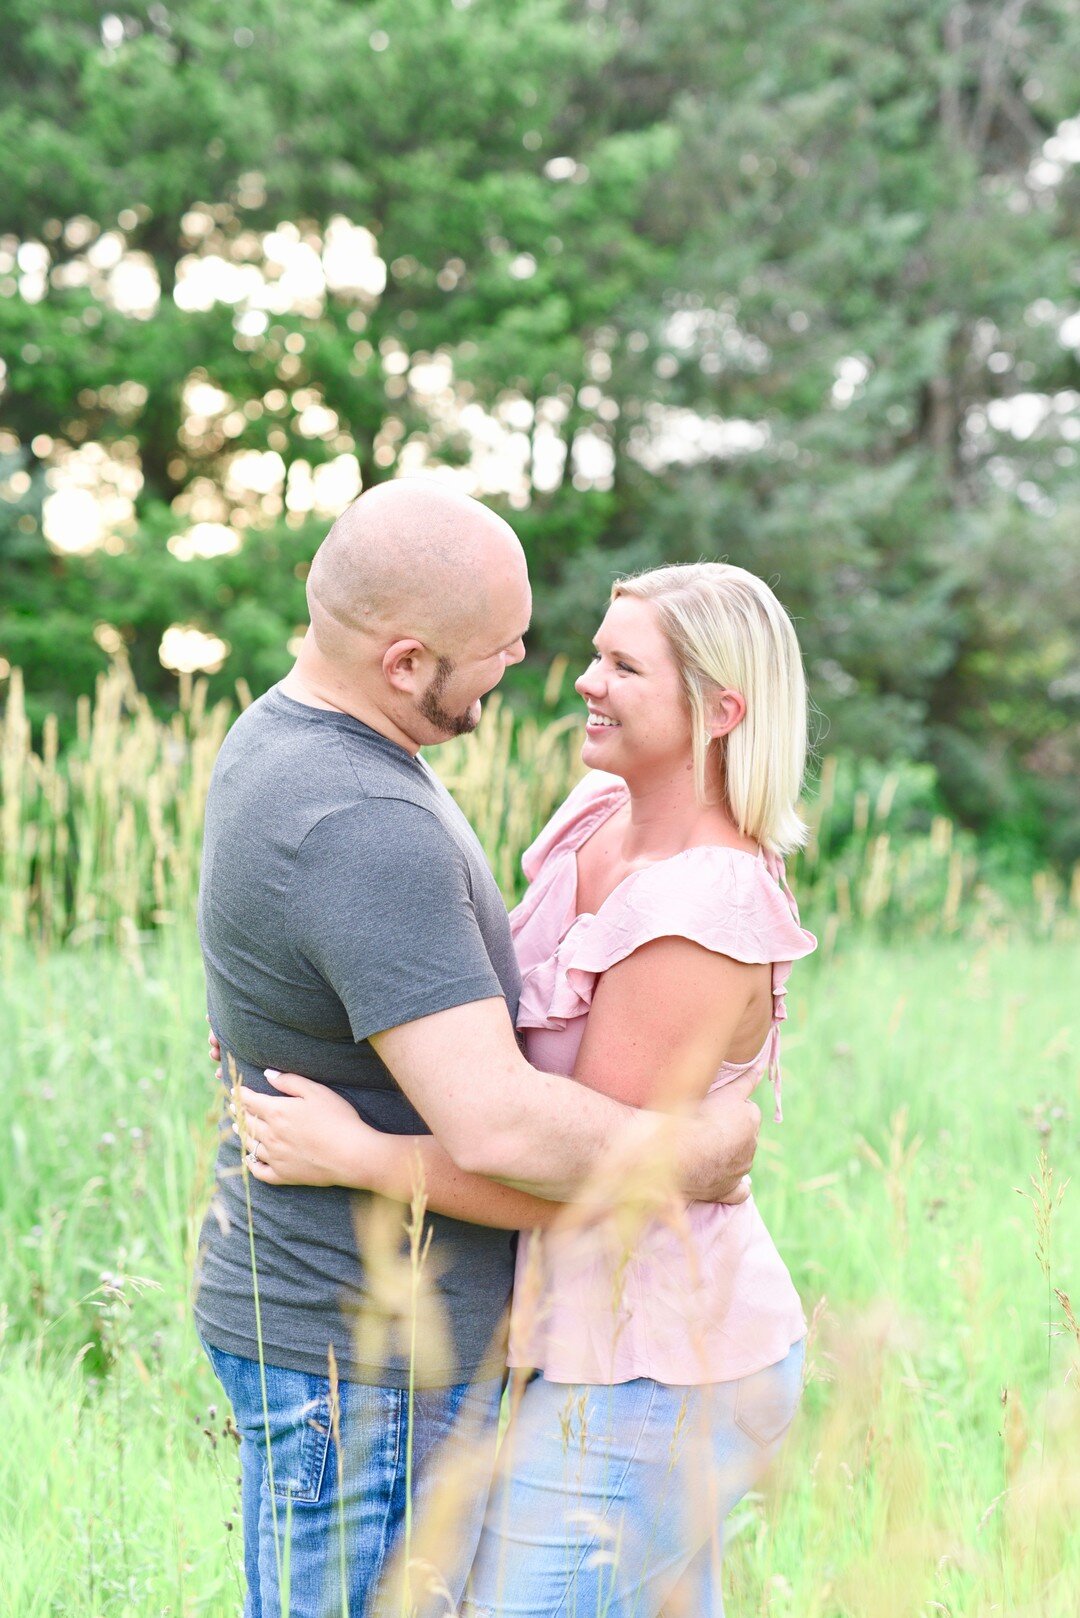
{"x": 589, "y": 682}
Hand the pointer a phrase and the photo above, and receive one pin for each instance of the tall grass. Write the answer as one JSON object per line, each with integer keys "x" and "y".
{"x": 936, "y": 1459}
{"x": 931, "y": 1068}
{"x": 103, "y": 839}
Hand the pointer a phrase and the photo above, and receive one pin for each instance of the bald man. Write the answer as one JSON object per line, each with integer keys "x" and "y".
{"x": 352, "y": 931}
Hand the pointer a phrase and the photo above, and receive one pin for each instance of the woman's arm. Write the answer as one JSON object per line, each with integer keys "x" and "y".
{"x": 308, "y": 1134}
{"x": 662, "y": 1021}
{"x": 660, "y": 1024}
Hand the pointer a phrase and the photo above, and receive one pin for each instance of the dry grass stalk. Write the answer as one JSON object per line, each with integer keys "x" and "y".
{"x": 102, "y": 839}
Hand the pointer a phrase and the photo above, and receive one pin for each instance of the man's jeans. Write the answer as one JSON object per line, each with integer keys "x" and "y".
{"x": 327, "y": 1511}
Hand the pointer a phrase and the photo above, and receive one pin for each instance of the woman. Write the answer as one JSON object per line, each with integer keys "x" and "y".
{"x": 655, "y": 941}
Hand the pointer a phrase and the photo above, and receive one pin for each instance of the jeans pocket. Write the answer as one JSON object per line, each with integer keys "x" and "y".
{"x": 765, "y": 1403}
{"x": 300, "y": 1441}
{"x": 295, "y": 1415}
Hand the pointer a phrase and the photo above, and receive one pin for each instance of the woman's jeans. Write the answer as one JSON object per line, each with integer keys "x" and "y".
{"x": 611, "y": 1500}
{"x": 329, "y": 1510}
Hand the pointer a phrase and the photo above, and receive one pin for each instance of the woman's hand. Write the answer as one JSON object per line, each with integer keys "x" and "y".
{"x": 307, "y": 1135}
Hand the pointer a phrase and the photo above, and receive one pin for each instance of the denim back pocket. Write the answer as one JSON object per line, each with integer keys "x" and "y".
{"x": 296, "y": 1413}
{"x": 765, "y": 1403}
{"x": 299, "y": 1413}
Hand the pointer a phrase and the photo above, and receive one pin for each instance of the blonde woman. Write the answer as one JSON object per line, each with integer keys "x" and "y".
{"x": 655, "y": 942}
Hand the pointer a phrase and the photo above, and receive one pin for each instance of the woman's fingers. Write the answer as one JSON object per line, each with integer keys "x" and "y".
{"x": 264, "y": 1172}
{"x": 257, "y": 1137}
{"x": 256, "y": 1118}
{"x": 290, "y": 1084}
{"x": 257, "y": 1105}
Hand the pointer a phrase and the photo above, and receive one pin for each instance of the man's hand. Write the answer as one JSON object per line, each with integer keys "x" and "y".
{"x": 736, "y": 1122}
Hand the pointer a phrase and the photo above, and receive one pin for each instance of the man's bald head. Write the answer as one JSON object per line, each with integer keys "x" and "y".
{"x": 409, "y": 558}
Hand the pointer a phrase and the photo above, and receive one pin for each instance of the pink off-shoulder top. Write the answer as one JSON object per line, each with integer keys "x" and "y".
{"x": 701, "y": 1295}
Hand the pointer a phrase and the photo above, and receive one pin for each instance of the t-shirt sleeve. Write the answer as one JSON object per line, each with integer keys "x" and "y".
{"x": 380, "y": 905}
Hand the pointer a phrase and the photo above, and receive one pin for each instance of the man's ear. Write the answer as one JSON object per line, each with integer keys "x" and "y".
{"x": 723, "y": 711}
{"x": 402, "y": 665}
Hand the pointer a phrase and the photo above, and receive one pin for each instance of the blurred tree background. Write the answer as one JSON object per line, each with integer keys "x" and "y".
{"x": 788, "y": 284}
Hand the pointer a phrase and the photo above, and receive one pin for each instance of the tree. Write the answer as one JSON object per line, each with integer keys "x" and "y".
{"x": 768, "y": 282}
{"x": 875, "y": 208}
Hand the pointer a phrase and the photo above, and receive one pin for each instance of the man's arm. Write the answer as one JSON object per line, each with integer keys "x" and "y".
{"x": 429, "y": 1001}
{"x": 660, "y": 1024}
{"x": 544, "y": 1133}
{"x": 308, "y": 1134}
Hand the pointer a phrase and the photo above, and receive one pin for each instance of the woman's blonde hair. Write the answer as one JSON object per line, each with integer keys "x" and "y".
{"x": 728, "y": 631}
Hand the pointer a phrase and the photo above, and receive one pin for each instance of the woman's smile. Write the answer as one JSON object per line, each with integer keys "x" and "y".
{"x": 597, "y": 722}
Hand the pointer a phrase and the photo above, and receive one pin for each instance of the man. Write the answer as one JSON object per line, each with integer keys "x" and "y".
{"x": 352, "y": 931}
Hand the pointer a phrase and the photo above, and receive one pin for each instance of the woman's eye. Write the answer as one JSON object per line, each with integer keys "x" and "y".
{"x": 626, "y": 669}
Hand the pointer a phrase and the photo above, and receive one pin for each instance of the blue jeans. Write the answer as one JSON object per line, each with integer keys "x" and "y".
{"x": 329, "y": 1510}
{"x": 611, "y": 1500}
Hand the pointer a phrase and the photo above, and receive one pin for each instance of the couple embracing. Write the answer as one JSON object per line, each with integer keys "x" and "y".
{"x": 616, "y": 1023}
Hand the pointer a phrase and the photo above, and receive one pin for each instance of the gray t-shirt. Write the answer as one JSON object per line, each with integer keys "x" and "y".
{"x": 343, "y": 892}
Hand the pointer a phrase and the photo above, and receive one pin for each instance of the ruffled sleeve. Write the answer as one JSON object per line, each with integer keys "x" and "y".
{"x": 734, "y": 903}
{"x": 718, "y": 897}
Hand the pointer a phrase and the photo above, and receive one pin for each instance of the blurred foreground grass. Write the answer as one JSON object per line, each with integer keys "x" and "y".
{"x": 936, "y": 1465}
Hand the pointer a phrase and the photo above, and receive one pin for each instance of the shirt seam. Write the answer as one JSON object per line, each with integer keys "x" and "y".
{"x": 288, "y": 899}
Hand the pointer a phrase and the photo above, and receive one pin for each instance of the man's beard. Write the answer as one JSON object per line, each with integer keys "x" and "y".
{"x": 434, "y": 712}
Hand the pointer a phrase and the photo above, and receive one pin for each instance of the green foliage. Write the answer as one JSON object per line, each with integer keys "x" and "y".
{"x": 920, "y": 1084}
{"x": 787, "y": 272}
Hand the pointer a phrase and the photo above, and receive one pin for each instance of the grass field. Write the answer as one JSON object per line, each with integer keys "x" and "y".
{"x": 936, "y": 1465}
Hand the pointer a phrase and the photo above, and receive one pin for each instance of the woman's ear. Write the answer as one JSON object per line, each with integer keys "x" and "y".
{"x": 723, "y": 711}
